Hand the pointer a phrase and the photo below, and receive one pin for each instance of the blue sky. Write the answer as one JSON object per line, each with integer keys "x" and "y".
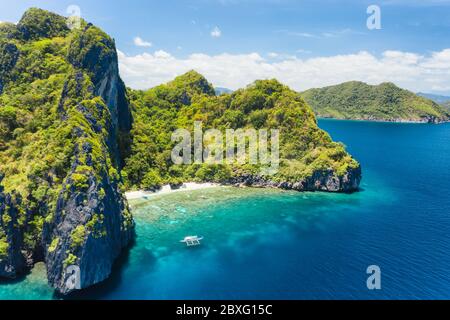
{"x": 277, "y": 30}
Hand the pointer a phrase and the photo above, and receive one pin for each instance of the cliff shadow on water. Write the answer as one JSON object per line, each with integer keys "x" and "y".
{"x": 101, "y": 290}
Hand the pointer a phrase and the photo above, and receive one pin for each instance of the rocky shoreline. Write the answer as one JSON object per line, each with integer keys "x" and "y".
{"x": 428, "y": 120}
{"x": 320, "y": 181}
{"x": 325, "y": 181}
{"x": 12, "y": 261}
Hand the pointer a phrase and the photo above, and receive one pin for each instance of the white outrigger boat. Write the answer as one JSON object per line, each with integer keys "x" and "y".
{"x": 192, "y": 240}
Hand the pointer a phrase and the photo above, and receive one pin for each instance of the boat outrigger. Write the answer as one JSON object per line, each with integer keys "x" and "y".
{"x": 192, "y": 240}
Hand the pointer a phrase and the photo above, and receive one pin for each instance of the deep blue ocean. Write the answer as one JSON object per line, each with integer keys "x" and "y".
{"x": 269, "y": 244}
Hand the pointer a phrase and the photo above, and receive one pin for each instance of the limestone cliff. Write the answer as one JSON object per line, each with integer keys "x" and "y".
{"x": 63, "y": 110}
{"x": 12, "y": 262}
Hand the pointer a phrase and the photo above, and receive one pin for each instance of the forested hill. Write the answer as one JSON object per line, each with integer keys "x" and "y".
{"x": 384, "y": 102}
{"x": 310, "y": 160}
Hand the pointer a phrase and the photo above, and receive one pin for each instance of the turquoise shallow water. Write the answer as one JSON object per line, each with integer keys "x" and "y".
{"x": 277, "y": 244}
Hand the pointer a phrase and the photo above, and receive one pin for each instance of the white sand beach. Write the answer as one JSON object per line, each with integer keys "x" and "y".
{"x": 166, "y": 189}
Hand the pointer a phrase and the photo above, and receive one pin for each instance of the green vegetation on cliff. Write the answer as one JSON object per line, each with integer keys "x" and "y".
{"x": 386, "y": 102}
{"x": 58, "y": 133}
{"x": 304, "y": 148}
{"x": 3, "y": 247}
{"x": 38, "y": 127}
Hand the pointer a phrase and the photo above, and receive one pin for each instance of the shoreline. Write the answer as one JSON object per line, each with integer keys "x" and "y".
{"x": 384, "y": 121}
{"x": 166, "y": 189}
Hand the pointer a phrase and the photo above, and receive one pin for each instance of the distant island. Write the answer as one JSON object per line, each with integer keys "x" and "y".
{"x": 444, "y": 101}
{"x": 220, "y": 90}
{"x": 385, "y": 102}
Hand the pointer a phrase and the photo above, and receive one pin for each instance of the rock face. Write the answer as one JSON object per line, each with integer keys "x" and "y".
{"x": 326, "y": 181}
{"x": 92, "y": 224}
{"x": 99, "y": 59}
{"x": 89, "y": 230}
{"x": 79, "y": 221}
{"x": 12, "y": 262}
{"x": 9, "y": 55}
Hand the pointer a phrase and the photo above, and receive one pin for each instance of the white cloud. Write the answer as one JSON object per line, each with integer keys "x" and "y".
{"x": 280, "y": 56}
{"x": 161, "y": 54}
{"x": 216, "y": 32}
{"x": 138, "y": 41}
{"x": 416, "y": 72}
